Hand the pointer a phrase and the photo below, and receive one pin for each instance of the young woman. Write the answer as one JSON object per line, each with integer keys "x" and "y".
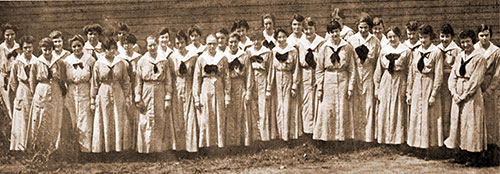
{"x": 47, "y": 76}
{"x": 268, "y": 32}
{"x": 110, "y": 96}
{"x": 260, "y": 57}
{"x": 195, "y": 36}
{"x": 345, "y": 31}
{"x": 241, "y": 27}
{"x": 184, "y": 62}
{"x": 221, "y": 36}
{"x": 390, "y": 89}
{"x": 9, "y": 51}
{"x": 297, "y": 30}
{"x": 211, "y": 92}
{"x": 93, "y": 46}
{"x": 58, "y": 40}
{"x": 239, "y": 124}
{"x": 153, "y": 95}
{"x": 425, "y": 128}
{"x": 411, "y": 34}
{"x": 367, "y": 48}
{"x": 490, "y": 84}
{"x": 308, "y": 48}
{"x": 164, "y": 42}
{"x": 284, "y": 76}
{"x": 19, "y": 84}
{"x": 449, "y": 50}
{"x": 335, "y": 79}
{"x": 121, "y": 31}
{"x": 378, "y": 31}
{"x": 79, "y": 75}
{"x": 468, "y": 124}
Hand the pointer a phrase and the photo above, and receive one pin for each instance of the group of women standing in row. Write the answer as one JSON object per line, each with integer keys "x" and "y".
{"x": 237, "y": 89}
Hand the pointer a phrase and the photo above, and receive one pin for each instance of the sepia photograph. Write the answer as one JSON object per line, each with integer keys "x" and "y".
{"x": 250, "y": 86}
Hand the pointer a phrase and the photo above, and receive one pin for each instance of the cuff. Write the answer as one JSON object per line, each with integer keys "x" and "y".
{"x": 137, "y": 98}
{"x": 168, "y": 97}
{"x": 227, "y": 98}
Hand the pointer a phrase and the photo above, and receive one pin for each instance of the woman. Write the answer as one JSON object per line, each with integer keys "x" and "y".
{"x": 195, "y": 36}
{"x": 335, "y": 80}
{"x": 284, "y": 76}
{"x": 79, "y": 74}
{"x": 378, "y": 31}
{"x": 260, "y": 57}
{"x": 308, "y": 48}
{"x": 9, "y": 51}
{"x": 468, "y": 125}
{"x": 47, "y": 76}
{"x": 93, "y": 46}
{"x": 239, "y": 124}
{"x": 345, "y": 31}
{"x": 211, "y": 92}
{"x": 153, "y": 95}
{"x": 268, "y": 32}
{"x": 367, "y": 48}
{"x": 412, "y": 35}
{"x": 110, "y": 96}
{"x": 241, "y": 27}
{"x": 58, "y": 40}
{"x": 164, "y": 42}
{"x": 121, "y": 31}
{"x": 184, "y": 62}
{"x": 221, "y": 36}
{"x": 390, "y": 89}
{"x": 19, "y": 83}
{"x": 425, "y": 129}
{"x": 297, "y": 30}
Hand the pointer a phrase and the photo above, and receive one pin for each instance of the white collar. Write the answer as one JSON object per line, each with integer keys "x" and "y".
{"x": 71, "y": 59}
{"x": 269, "y": 38}
{"x": 88, "y": 46}
{"x": 312, "y": 45}
{"x": 410, "y": 46}
{"x": 23, "y": 59}
{"x": 431, "y": 48}
{"x": 363, "y": 40}
{"x": 179, "y": 57}
{"x": 212, "y": 60}
{"x": 388, "y": 49}
{"x": 487, "y": 53}
{"x": 341, "y": 44}
{"x": 166, "y": 52}
{"x": 246, "y": 44}
{"x": 4, "y": 44}
{"x": 159, "y": 57}
{"x": 450, "y": 46}
{"x": 288, "y": 48}
{"x": 105, "y": 61}
{"x": 134, "y": 56}
{"x": 468, "y": 57}
{"x": 345, "y": 30}
{"x": 262, "y": 50}
{"x": 52, "y": 61}
{"x": 230, "y": 57}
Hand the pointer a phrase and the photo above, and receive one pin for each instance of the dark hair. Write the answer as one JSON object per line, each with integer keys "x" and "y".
{"x": 46, "y": 42}
{"x": 256, "y": 34}
{"x": 308, "y": 21}
{"x": 107, "y": 43}
{"x": 468, "y": 34}
{"x": 181, "y": 35}
{"x": 378, "y": 21}
{"x": 484, "y": 27}
{"x": 238, "y": 24}
{"x": 122, "y": 27}
{"x": 130, "y": 39}
{"x": 366, "y": 18}
{"x": 332, "y": 26}
{"x": 298, "y": 18}
{"x": 394, "y": 29}
{"x": 76, "y": 37}
{"x": 447, "y": 29}
{"x": 92, "y": 27}
{"x": 26, "y": 39}
{"x": 427, "y": 30}
{"x": 193, "y": 29}
{"x": 163, "y": 31}
{"x": 236, "y": 35}
{"x": 223, "y": 31}
{"x": 412, "y": 26}
{"x": 268, "y": 16}
{"x": 8, "y": 26}
{"x": 279, "y": 30}
{"x": 56, "y": 34}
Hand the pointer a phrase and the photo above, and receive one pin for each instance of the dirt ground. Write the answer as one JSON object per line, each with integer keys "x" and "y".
{"x": 302, "y": 156}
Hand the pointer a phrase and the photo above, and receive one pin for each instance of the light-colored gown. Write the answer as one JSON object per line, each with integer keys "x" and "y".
{"x": 468, "y": 126}
{"x": 425, "y": 127}
{"x": 211, "y": 88}
{"x": 133, "y": 114}
{"x": 19, "y": 83}
{"x": 111, "y": 85}
{"x": 5, "y": 67}
{"x": 335, "y": 77}
{"x": 79, "y": 77}
{"x": 284, "y": 76}
{"x": 363, "y": 102}
{"x": 390, "y": 86}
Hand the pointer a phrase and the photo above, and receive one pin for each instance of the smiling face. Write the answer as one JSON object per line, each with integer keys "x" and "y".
{"x": 335, "y": 34}
{"x": 164, "y": 39}
{"x": 152, "y": 46}
{"x": 445, "y": 38}
{"x": 425, "y": 40}
{"x": 46, "y": 51}
{"x": 180, "y": 43}
{"x": 233, "y": 43}
{"x": 58, "y": 43}
{"x": 378, "y": 30}
{"x": 9, "y": 35}
{"x": 268, "y": 24}
{"x": 77, "y": 47}
{"x": 364, "y": 28}
{"x": 211, "y": 44}
{"x": 92, "y": 36}
{"x": 467, "y": 44}
{"x": 297, "y": 27}
{"x": 310, "y": 31}
{"x": 412, "y": 35}
{"x": 281, "y": 38}
{"x": 221, "y": 39}
{"x": 27, "y": 48}
{"x": 484, "y": 37}
{"x": 393, "y": 38}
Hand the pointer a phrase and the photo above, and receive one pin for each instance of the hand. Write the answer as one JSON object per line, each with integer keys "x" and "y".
{"x": 183, "y": 99}
{"x": 227, "y": 102}
{"x": 92, "y": 106}
{"x": 268, "y": 94}
{"x": 456, "y": 99}
{"x": 431, "y": 101}
{"x": 408, "y": 100}
{"x": 320, "y": 94}
{"x": 140, "y": 106}
{"x": 197, "y": 105}
{"x": 349, "y": 94}
{"x": 167, "y": 104}
{"x": 128, "y": 102}
{"x": 294, "y": 93}
{"x": 248, "y": 96}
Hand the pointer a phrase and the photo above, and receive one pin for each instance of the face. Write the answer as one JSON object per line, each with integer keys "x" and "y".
{"x": 257, "y": 43}
{"x": 484, "y": 36}
{"x": 181, "y": 43}
{"x": 128, "y": 46}
{"x": 233, "y": 43}
{"x": 281, "y": 38}
{"x": 152, "y": 46}
{"x": 221, "y": 39}
{"x": 467, "y": 44}
{"x": 335, "y": 34}
{"x": 46, "y": 51}
{"x": 195, "y": 37}
{"x": 268, "y": 24}
{"x": 310, "y": 31}
{"x": 92, "y": 36}
{"x": 424, "y": 39}
{"x": 111, "y": 51}
{"x": 9, "y": 35}
{"x": 77, "y": 47}
{"x": 445, "y": 38}
{"x": 242, "y": 31}
{"x": 378, "y": 29}
{"x": 27, "y": 48}
{"x": 393, "y": 38}
{"x": 211, "y": 44}
{"x": 363, "y": 28}
{"x": 163, "y": 39}
{"x": 296, "y": 26}
{"x": 58, "y": 43}
{"x": 120, "y": 34}
{"x": 411, "y": 35}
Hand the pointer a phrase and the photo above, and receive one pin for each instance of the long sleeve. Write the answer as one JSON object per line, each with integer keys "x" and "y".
{"x": 452, "y": 80}
{"x": 438, "y": 75}
{"x": 94, "y": 83}
{"x": 226, "y": 79}
{"x": 351, "y": 68}
{"x": 125, "y": 81}
{"x": 270, "y": 76}
{"x": 197, "y": 79}
{"x": 138, "y": 84}
{"x": 32, "y": 80}
{"x": 320, "y": 70}
{"x": 13, "y": 83}
{"x": 495, "y": 80}
{"x": 250, "y": 75}
{"x": 475, "y": 79}
{"x": 378, "y": 74}
{"x": 168, "y": 80}
{"x": 409, "y": 80}
{"x": 297, "y": 74}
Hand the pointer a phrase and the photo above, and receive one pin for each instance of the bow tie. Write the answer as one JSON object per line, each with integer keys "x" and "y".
{"x": 94, "y": 54}
{"x": 415, "y": 47}
{"x": 392, "y": 59}
{"x": 362, "y": 52}
{"x": 209, "y": 69}
{"x": 335, "y": 55}
{"x": 420, "y": 64}
{"x": 76, "y": 65}
{"x": 310, "y": 58}
{"x": 268, "y": 44}
{"x": 110, "y": 74}
{"x": 155, "y": 68}
{"x": 182, "y": 68}
{"x": 281, "y": 57}
{"x": 462, "y": 69}
{"x": 12, "y": 54}
{"x": 235, "y": 64}
{"x": 27, "y": 70}
{"x": 443, "y": 52}
{"x": 258, "y": 59}
{"x": 49, "y": 73}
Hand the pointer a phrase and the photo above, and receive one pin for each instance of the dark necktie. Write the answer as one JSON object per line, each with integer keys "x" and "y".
{"x": 462, "y": 69}
{"x": 310, "y": 58}
{"x": 182, "y": 68}
{"x": 392, "y": 60}
{"x": 421, "y": 64}
{"x": 235, "y": 64}
{"x": 12, "y": 54}
{"x": 335, "y": 55}
{"x": 27, "y": 70}
{"x": 155, "y": 68}
{"x": 268, "y": 44}
{"x": 362, "y": 52}
{"x": 443, "y": 53}
{"x": 209, "y": 69}
{"x": 110, "y": 74}
{"x": 281, "y": 57}
{"x": 78, "y": 65}
{"x": 258, "y": 59}
{"x": 413, "y": 48}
